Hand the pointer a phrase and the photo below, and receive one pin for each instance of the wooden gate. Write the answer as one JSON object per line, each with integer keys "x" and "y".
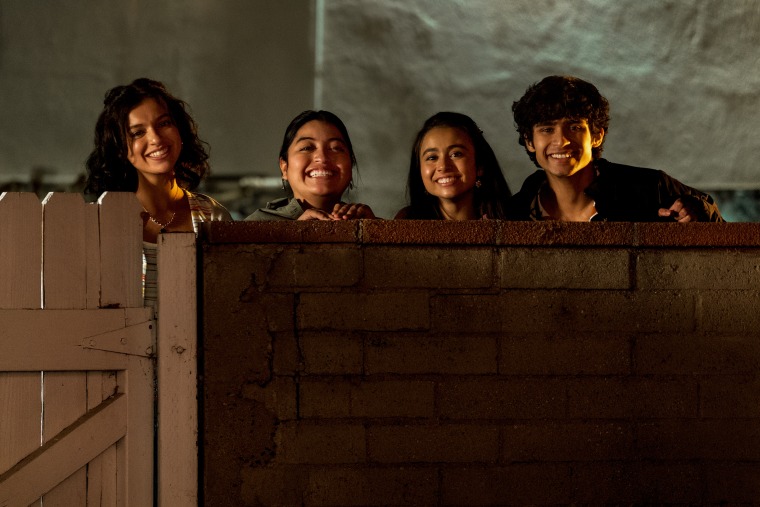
{"x": 76, "y": 353}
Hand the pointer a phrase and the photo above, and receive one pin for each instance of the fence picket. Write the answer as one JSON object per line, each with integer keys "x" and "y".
{"x": 64, "y": 252}
{"x": 92, "y": 253}
{"x": 65, "y": 400}
{"x": 120, "y": 250}
{"x": 20, "y": 250}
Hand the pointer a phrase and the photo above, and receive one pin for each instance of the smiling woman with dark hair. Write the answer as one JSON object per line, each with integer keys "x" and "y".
{"x": 316, "y": 162}
{"x": 453, "y": 173}
{"x": 147, "y": 143}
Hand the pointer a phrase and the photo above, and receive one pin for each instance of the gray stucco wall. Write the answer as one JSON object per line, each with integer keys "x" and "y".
{"x": 682, "y": 76}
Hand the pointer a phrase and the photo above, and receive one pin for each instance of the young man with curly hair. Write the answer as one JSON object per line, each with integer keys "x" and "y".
{"x": 562, "y": 122}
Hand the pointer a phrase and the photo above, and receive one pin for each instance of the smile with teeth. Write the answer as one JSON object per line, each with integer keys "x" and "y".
{"x": 445, "y": 180}
{"x": 561, "y": 155}
{"x": 320, "y": 173}
{"x": 158, "y": 153}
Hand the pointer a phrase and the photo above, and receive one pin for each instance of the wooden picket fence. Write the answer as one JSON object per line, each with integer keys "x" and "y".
{"x": 79, "y": 354}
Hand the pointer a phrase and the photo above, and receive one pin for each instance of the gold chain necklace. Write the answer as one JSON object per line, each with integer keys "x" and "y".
{"x": 163, "y": 226}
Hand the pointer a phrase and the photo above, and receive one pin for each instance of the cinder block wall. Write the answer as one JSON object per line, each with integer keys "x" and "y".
{"x": 483, "y": 363}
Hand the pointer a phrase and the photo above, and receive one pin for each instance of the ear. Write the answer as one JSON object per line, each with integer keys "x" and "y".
{"x": 596, "y": 139}
{"x": 284, "y": 168}
{"x": 529, "y": 144}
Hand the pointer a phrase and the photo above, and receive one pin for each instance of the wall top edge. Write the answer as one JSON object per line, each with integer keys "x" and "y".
{"x": 486, "y": 232}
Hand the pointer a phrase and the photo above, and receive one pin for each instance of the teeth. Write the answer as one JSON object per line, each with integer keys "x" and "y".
{"x": 159, "y": 153}
{"x": 560, "y": 155}
{"x": 319, "y": 173}
{"x": 446, "y": 180}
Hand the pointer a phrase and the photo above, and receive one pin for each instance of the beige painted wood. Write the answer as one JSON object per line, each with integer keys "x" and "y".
{"x": 59, "y": 458}
{"x": 101, "y": 471}
{"x": 20, "y": 395}
{"x": 20, "y": 250}
{"x": 64, "y": 401}
{"x": 92, "y": 253}
{"x": 138, "y": 450}
{"x": 64, "y": 255}
{"x": 177, "y": 371}
{"x": 120, "y": 250}
{"x": 61, "y": 339}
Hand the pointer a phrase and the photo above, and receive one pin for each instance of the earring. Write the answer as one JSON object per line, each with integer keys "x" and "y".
{"x": 351, "y": 184}
{"x": 478, "y": 183}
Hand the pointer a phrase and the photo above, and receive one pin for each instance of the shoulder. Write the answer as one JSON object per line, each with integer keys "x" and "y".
{"x": 519, "y": 206}
{"x": 403, "y": 213}
{"x": 279, "y": 209}
{"x": 614, "y": 170}
{"x": 208, "y": 207}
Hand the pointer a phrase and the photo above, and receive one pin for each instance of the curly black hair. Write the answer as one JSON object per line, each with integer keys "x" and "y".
{"x": 557, "y": 97}
{"x": 490, "y": 199}
{"x": 108, "y": 168}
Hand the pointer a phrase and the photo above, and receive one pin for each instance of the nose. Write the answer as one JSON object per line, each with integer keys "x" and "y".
{"x": 153, "y": 136}
{"x": 560, "y": 137}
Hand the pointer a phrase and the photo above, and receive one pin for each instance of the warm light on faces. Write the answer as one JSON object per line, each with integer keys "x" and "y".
{"x": 153, "y": 139}
{"x": 447, "y": 163}
{"x": 564, "y": 147}
{"x": 318, "y": 167}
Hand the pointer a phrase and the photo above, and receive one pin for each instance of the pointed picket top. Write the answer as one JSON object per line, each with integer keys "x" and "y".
{"x": 64, "y": 268}
{"x": 120, "y": 250}
{"x": 20, "y": 250}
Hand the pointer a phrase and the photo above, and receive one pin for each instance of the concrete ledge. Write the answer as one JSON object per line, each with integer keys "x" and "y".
{"x": 487, "y": 232}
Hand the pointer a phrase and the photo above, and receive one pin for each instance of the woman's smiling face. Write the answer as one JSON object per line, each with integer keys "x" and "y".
{"x": 447, "y": 163}
{"x": 318, "y": 167}
{"x": 153, "y": 139}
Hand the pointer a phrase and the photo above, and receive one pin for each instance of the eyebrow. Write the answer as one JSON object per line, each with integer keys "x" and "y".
{"x": 461, "y": 146}
{"x": 165, "y": 115}
{"x": 306, "y": 138}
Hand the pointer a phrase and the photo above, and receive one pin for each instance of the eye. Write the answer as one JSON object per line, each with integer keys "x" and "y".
{"x": 166, "y": 123}
{"x": 136, "y": 134}
{"x": 306, "y": 148}
{"x": 431, "y": 158}
{"x": 337, "y": 147}
{"x": 457, "y": 154}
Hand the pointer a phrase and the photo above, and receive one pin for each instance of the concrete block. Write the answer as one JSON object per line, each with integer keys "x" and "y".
{"x": 389, "y": 311}
{"x": 451, "y": 443}
{"x": 315, "y": 265}
{"x": 332, "y": 353}
{"x": 280, "y": 485}
{"x": 729, "y": 396}
{"x": 419, "y": 354}
{"x": 277, "y": 397}
{"x": 634, "y": 398}
{"x": 732, "y": 483}
{"x": 567, "y": 441}
{"x": 466, "y": 313}
{"x": 435, "y": 267}
{"x": 564, "y": 268}
{"x": 730, "y": 312}
{"x": 510, "y": 398}
{"x": 565, "y": 352}
{"x": 366, "y": 399}
{"x": 692, "y": 439}
{"x": 690, "y": 354}
{"x": 367, "y": 486}
{"x": 597, "y": 311}
{"x": 514, "y": 484}
{"x": 301, "y": 442}
{"x": 714, "y": 269}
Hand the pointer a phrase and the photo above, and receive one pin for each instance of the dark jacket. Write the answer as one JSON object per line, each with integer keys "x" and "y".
{"x": 279, "y": 209}
{"x": 621, "y": 193}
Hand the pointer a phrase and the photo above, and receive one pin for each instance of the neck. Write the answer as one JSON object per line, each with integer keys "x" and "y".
{"x": 322, "y": 203}
{"x": 565, "y": 198}
{"x": 457, "y": 210}
{"x": 158, "y": 194}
